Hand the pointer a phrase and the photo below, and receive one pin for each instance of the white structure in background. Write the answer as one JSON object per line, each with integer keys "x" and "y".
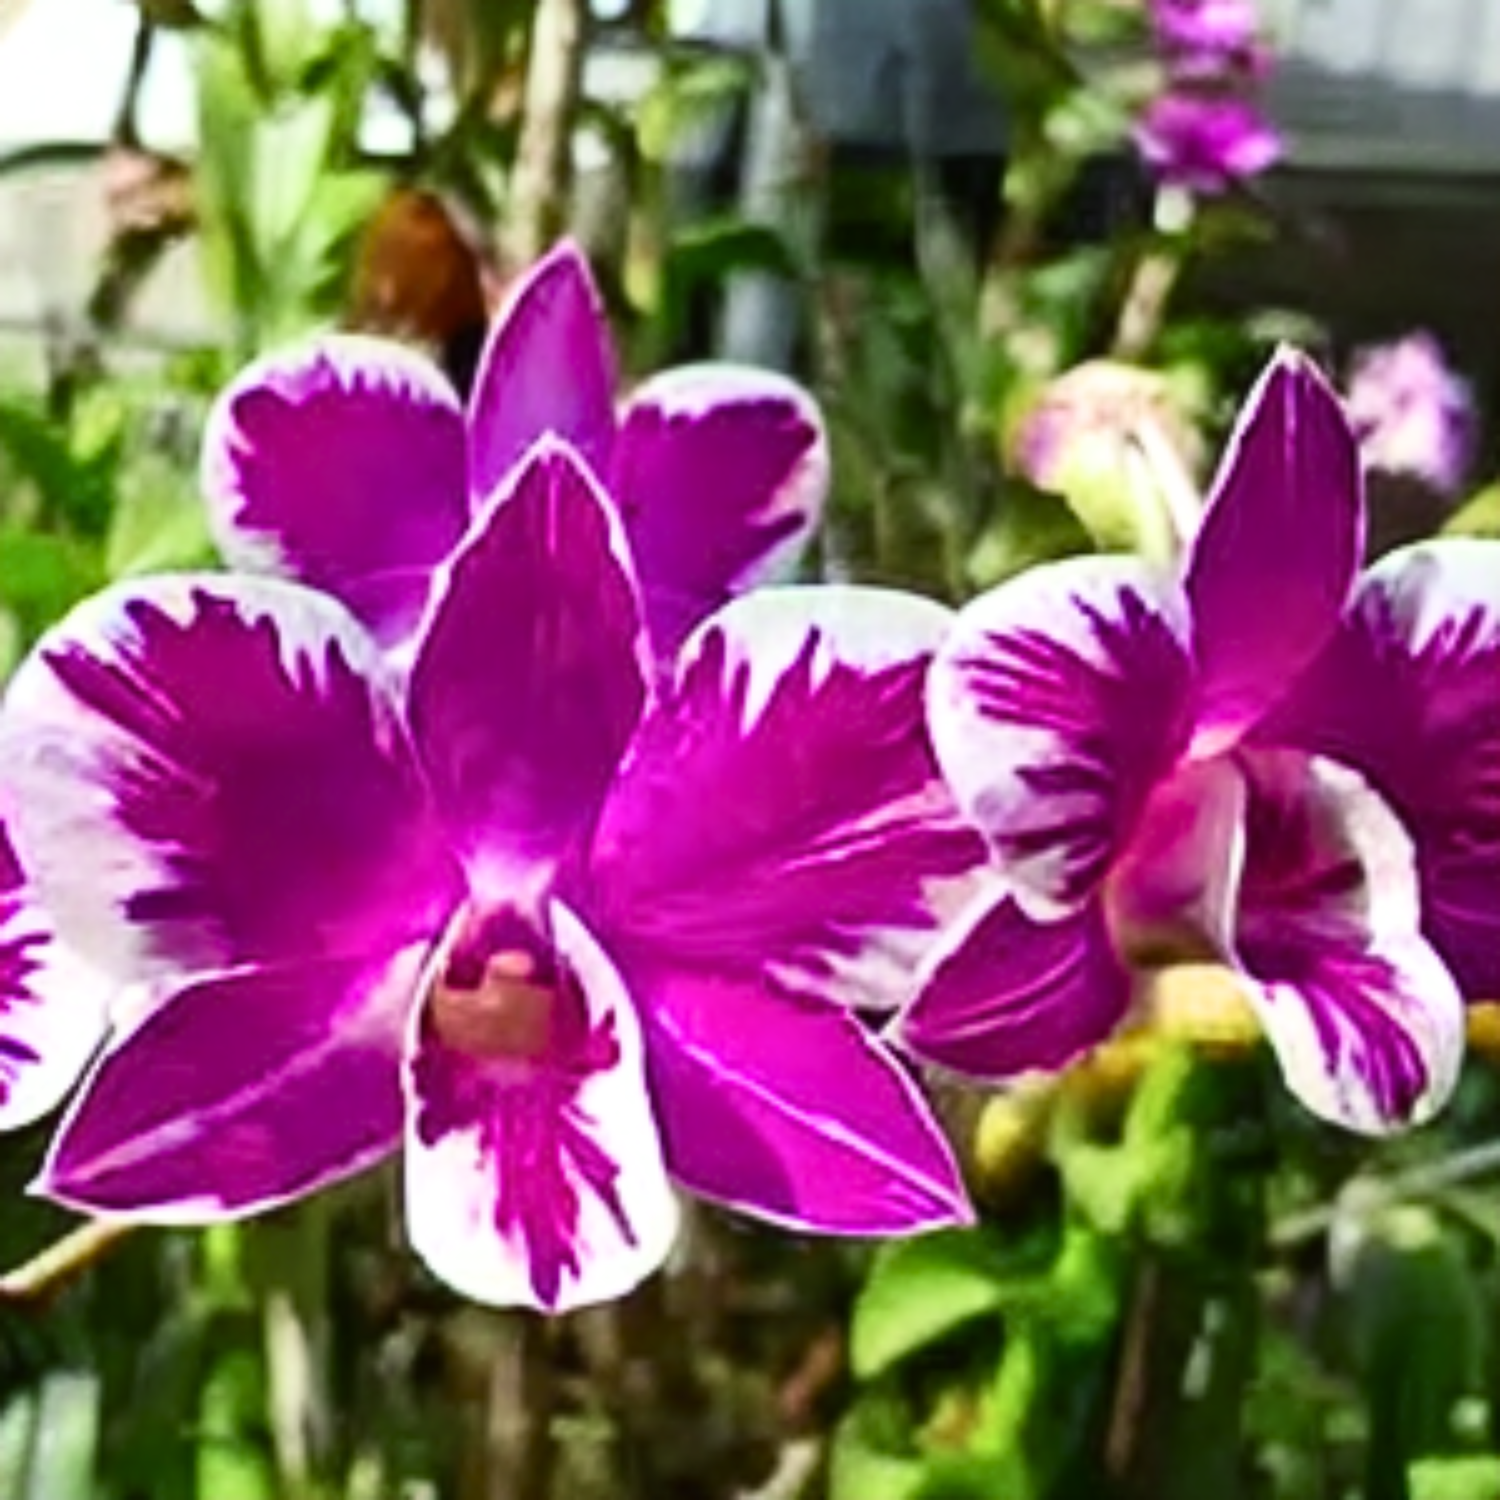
{"x": 1363, "y": 87}
{"x": 1388, "y": 86}
{"x": 63, "y": 66}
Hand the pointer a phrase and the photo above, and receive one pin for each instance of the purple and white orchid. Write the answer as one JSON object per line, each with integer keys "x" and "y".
{"x": 1245, "y": 761}
{"x": 349, "y": 463}
{"x": 564, "y": 926}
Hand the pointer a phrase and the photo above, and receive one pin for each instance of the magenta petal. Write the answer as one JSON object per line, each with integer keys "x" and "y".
{"x": 1366, "y": 1021}
{"x": 791, "y": 1110}
{"x": 242, "y": 1091}
{"x": 780, "y": 814}
{"x": 1409, "y": 695}
{"x": 538, "y": 1181}
{"x": 1176, "y": 888}
{"x": 1058, "y": 703}
{"x": 340, "y": 464}
{"x": 720, "y": 472}
{"x": 53, "y": 1006}
{"x": 1005, "y": 995}
{"x": 531, "y": 673}
{"x": 548, "y": 367}
{"x": 1279, "y": 548}
{"x": 208, "y": 772}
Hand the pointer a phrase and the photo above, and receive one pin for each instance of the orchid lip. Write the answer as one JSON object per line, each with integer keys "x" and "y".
{"x": 496, "y": 987}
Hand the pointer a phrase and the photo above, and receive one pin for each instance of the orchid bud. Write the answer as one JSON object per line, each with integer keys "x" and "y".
{"x": 1110, "y": 439}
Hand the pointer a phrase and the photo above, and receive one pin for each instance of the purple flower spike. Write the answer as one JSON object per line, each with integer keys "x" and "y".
{"x": 349, "y": 464}
{"x": 1252, "y": 760}
{"x": 1206, "y": 141}
{"x": 560, "y": 941}
{"x": 1196, "y": 32}
{"x": 1205, "y": 131}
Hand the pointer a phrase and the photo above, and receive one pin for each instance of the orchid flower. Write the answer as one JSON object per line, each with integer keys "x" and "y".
{"x": 349, "y": 464}
{"x": 1413, "y": 414}
{"x": 1237, "y": 761}
{"x": 559, "y": 931}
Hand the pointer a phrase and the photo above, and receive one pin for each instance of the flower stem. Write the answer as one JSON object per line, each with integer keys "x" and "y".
{"x": 49, "y": 1271}
{"x": 541, "y": 174}
{"x": 1432, "y": 1177}
{"x": 1144, "y": 308}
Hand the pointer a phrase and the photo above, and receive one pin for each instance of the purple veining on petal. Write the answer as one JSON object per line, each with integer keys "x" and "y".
{"x": 340, "y": 464}
{"x": 243, "y": 1090}
{"x": 525, "y": 1118}
{"x": 53, "y": 1006}
{"x": 780, "y": 809}
{"x": 720, "y": 473}
{"x": 1058, "y": 704}
{"x": 228, "y": 753}
{"x": 1408, "y": 694}
{"x": 534, "y": 1174}
{"x": 530, "y": 674}
{"x": 1003, "y": 995}
{"x": 1367, "y": 1022}
{"x": 19, "y": 964}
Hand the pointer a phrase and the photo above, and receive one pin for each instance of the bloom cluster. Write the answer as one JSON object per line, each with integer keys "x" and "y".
{"x": 501, "y": 808}
{"x": 1205, "y": 131}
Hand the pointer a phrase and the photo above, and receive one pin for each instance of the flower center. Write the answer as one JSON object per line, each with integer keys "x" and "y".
{"x": 505, "y": 1014}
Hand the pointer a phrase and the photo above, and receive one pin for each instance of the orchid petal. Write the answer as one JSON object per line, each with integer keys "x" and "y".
{"x": 1408, "y": 694}
{"x": 720, "y": 472}
{"x": 1003, "y": 995}
{"x": 208, "y": 772}
{"x": 241, "y": 1091}
{"x": 791, "y": 1110}
{"x": 548, "y": 366}
{"x": 53, "y": 1006}
{"x": 1057, "y": 704}
{"x": 530, "y": 674}
{"x": 780, "y": 815}
{"x": 1278, "y": 550}
{"x": 340, "y": 463}
{"x": 1365, "y": 1019}
{"x": 538, "y": 1181}
{"x": 1176, "y": 888}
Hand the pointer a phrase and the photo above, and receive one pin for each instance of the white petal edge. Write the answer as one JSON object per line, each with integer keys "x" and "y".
{"x": 47, "y": 744}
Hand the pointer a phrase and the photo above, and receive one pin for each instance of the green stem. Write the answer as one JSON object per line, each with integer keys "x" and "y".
{"x": 47, "y": 1273}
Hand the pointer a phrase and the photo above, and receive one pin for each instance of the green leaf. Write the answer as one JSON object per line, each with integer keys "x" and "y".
{"x": 1416, "y": 1326}
{"x": 1474, "y": 1477}
{"x": 159, "y": 524}
{"x": 862, "y": 1465}
{"x": 42, "y": 575}
{"x": 920, "y": 1291}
